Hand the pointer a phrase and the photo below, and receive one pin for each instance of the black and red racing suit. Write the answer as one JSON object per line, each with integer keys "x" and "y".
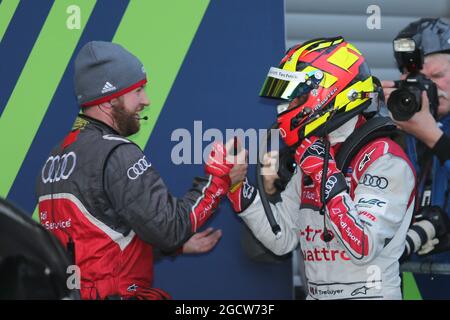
{"x": 99, "y": 191}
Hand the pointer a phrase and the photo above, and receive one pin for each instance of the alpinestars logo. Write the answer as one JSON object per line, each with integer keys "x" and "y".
{"x": 363, "y": 290}
{"x": 318, "y": 149}
{"x": 364, "y": 161}
{"x": 108, "y": 87}
{"x": 132, "y": 287}
{"x": 247, "y": 190}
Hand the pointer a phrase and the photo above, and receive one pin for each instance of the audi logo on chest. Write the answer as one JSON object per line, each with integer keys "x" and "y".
{"x": 59, "y": 167}
{"x": 138, "y": 168}
{"x": 374, "y": 181}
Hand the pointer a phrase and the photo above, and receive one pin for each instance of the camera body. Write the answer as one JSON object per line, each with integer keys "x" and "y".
{"x": 404, "y": 102}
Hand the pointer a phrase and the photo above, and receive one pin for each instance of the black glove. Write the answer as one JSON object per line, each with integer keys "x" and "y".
{"x": 286, "y": 168}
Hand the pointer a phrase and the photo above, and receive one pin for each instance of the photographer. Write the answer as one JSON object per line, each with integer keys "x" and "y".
{"x": 433, "y": 37}
{"x": 420, "y": 105}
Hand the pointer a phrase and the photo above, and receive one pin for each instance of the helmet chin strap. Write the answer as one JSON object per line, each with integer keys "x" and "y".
{"x": 327, "y": 235}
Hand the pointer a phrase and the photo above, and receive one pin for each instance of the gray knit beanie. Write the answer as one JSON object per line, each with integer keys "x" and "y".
{"x": 105, "y": 70}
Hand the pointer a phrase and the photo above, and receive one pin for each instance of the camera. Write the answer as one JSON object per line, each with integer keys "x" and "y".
{"x": 431, "y": 223}
{"x": 404, "y": 102}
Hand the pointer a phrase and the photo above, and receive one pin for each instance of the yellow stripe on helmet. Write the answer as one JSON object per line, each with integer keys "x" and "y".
{"x": 310, "y": 127}
{"x": 350, "y": 46}
{"x": 342, "y": 99}
{"x": 343, "y": 58}
{"x": 327, "y": 44}
{"x": 291, "y": 64}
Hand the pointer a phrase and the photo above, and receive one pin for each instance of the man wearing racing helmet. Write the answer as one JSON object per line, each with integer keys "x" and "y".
{"x": 432, "y": 36}
{"x": 351, "y": 226}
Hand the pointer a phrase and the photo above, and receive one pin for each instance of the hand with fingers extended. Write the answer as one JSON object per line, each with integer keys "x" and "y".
{"x": 310, "y": 157}
{"x": 202, "y": 242}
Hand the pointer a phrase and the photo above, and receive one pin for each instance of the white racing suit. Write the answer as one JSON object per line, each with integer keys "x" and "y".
{"x": 368, "y": 225}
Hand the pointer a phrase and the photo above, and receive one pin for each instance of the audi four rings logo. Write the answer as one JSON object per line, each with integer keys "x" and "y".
{"x": 329, "y": 185}
{"x": 375, "y": 181}
{"x": 58, "y": 167}
{"x": 138, "y": 168}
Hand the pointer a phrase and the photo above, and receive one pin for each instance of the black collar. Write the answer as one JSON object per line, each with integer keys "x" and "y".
{"x": 99, "y": 123}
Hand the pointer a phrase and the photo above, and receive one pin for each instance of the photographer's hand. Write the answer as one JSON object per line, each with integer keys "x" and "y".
{"x": 422, "y": 125}
{"x": 388, "y": 87}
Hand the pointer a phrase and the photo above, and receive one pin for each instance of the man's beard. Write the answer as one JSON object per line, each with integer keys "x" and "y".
{"x": 126, "y": 122}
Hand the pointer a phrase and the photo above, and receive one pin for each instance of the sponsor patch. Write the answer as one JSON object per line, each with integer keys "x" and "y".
{"x": 374, "y": 181}
{"x": 371, "y": 203}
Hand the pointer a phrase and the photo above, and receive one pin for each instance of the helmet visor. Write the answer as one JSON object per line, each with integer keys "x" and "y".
{"x": 282, "y": 84}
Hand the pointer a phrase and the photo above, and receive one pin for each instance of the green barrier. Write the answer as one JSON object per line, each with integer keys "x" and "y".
{"x": 36, "y": 86}
{"x": 7, "y": 9}
{"x": 410, "y": 289}
{"x": 160, "y": 35}
{"x": 148, "y": 31}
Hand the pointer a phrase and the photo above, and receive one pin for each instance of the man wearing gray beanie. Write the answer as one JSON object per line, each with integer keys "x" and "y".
{"x": 102, "y": 198}
{"x": 105, "y": 75}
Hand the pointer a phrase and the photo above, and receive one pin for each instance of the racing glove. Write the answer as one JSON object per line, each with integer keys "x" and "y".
{"x": 218, "y": 185}
{"x": 310, "y": 157}
{"x": 241, "y": 195}
{"x": 217, "y": 165}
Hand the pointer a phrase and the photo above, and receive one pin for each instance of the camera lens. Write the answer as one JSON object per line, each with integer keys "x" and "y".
{"x": 403, "y": 103}
{"x": 406, "y": 101}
